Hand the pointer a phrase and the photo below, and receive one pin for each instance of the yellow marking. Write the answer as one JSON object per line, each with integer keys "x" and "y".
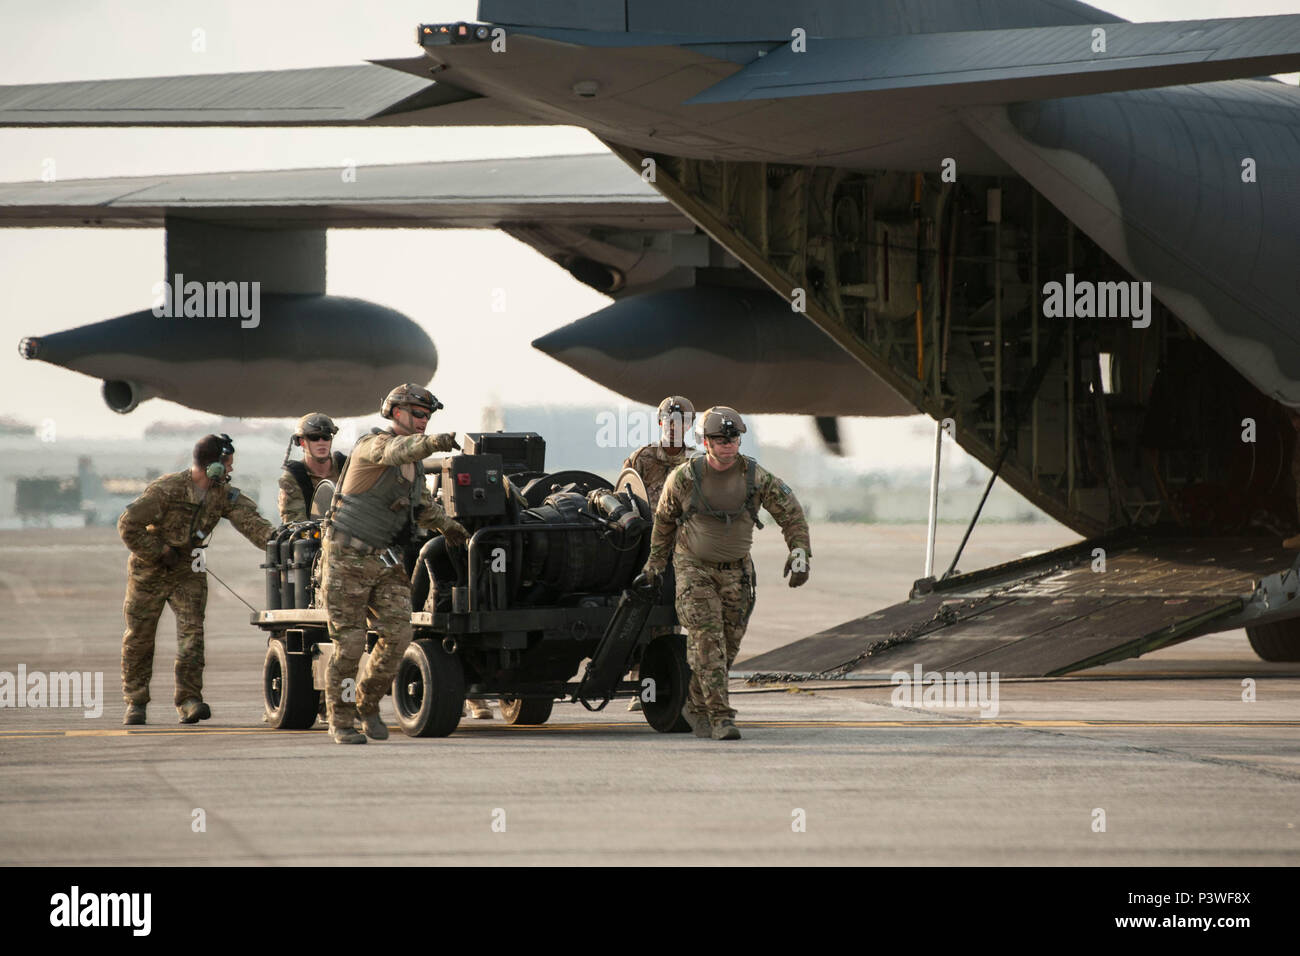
{"x": 640, "y": 725}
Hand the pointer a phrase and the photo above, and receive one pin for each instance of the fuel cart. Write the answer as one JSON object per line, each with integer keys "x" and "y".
{"x": 550, "y": 580}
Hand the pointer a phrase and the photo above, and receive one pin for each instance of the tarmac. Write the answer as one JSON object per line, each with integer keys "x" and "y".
{"x": 1159, "y": 761}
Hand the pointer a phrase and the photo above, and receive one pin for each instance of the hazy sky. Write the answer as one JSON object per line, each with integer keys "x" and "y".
{"x": 56, "y": 279}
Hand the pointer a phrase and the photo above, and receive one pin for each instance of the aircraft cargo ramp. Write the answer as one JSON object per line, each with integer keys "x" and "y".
{"x": 1053, "y": 613}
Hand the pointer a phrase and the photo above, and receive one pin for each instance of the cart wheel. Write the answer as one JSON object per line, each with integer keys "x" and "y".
{"x": 429, "y": 690}
{"x": 291, "y": 700}
{"x": 1276, "y": 642}
{"x": 518, "y": 711}
{"x": 664, "y": 662}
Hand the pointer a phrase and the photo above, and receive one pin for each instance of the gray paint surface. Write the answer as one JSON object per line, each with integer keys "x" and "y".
{"x": 716, "y": 345}
{"x": 595, "y": 189}
{"x": 325, "y": 95}
{"x": 213, "y": 364}
{"x": 281, "y": 260}
{"x": 774, "y": 19}
{"x": 1002, "y": 66}
{"x": 1155, "y": 178}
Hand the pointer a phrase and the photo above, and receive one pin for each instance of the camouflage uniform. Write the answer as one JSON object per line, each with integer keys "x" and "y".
{"x": 654, "y": 463}
{"x": 171, "y": 513}
{"x": 293, "y": 507}
{"x": 715, "y": 599}
{"x": 354, "y": 579}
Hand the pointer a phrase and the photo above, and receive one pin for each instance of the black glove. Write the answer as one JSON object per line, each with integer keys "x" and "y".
{"x": 652, "y": 576}
{"x": 797, "y": 578}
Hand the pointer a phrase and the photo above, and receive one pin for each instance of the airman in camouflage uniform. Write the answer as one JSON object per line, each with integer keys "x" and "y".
{"x": 705, "y": 520}
{"x": 163, "y": 528}
{"x": 654, "y": 462}
{"x": 315, "y": 435}
{"x": 383, "y": 489}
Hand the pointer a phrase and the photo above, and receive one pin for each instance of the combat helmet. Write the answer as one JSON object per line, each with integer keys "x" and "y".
{"x": 677, "y": 405}
{"x": 409, "y": 395}
{"x": 720, "y": 420}
{"x": 316, "y": 423}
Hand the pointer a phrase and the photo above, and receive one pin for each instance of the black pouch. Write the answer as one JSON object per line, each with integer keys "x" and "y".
{"x": 613, "y": 654}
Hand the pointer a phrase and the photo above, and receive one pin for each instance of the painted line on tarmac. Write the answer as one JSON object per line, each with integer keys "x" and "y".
{"x": 594, "y": 726}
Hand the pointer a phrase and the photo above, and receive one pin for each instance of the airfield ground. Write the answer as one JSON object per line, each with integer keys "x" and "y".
{"x": 1186, "y": 772}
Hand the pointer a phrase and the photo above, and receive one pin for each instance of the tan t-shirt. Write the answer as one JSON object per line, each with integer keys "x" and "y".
{"x": 717, "y": 542}
{"x": 716, "y": 539}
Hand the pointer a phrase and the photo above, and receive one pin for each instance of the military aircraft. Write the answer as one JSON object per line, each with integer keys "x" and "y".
{"x": 1069, "y": 238}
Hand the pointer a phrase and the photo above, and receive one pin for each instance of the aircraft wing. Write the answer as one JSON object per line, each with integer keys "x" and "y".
{"x": 589, "y": 213}
{"x": 1007, "y": 66}
{"x": 594, "y": 190}
{"x": 385, "y": 93}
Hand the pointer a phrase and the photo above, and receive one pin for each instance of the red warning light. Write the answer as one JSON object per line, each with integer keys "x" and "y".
{"x": 462, "y": 478}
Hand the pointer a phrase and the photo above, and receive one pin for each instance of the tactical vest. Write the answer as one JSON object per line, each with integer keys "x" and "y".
{"x": 700, "y": 505}
{"x": 377, "y": 515}
{"x": 654, "y": 470}
{"x": 298, "y": 470}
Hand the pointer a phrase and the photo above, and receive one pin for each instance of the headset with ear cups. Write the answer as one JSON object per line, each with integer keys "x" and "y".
{"x": 217, "y": 470}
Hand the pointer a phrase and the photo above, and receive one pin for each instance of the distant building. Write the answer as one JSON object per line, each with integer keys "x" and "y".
{"x": 71, "y": 482}
{"x": 12, "y": 426}
{"x": 48, "y": 479}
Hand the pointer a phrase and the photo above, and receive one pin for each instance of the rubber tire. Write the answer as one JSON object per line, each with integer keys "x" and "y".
{"x": 664, "y": 660}
{"x": 294, "y": 705}
{"x": 1279, "y": 643}
{"x": 526, "y": 712}
{"x": 434, "y": 710}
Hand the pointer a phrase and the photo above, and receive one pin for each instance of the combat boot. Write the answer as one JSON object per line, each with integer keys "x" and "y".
{"x": 341, "y": 723}
{"x": 194, "y": 710}
{"x": 725, "y": 729}
{"x": 634, "y": 704}
{"x": 134, "y": 714}
{"x": 372, "y": 726}
{"x": 347, "y": 735}
{"x": 478, "y": 709}
{"x": 699, "y": 724}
